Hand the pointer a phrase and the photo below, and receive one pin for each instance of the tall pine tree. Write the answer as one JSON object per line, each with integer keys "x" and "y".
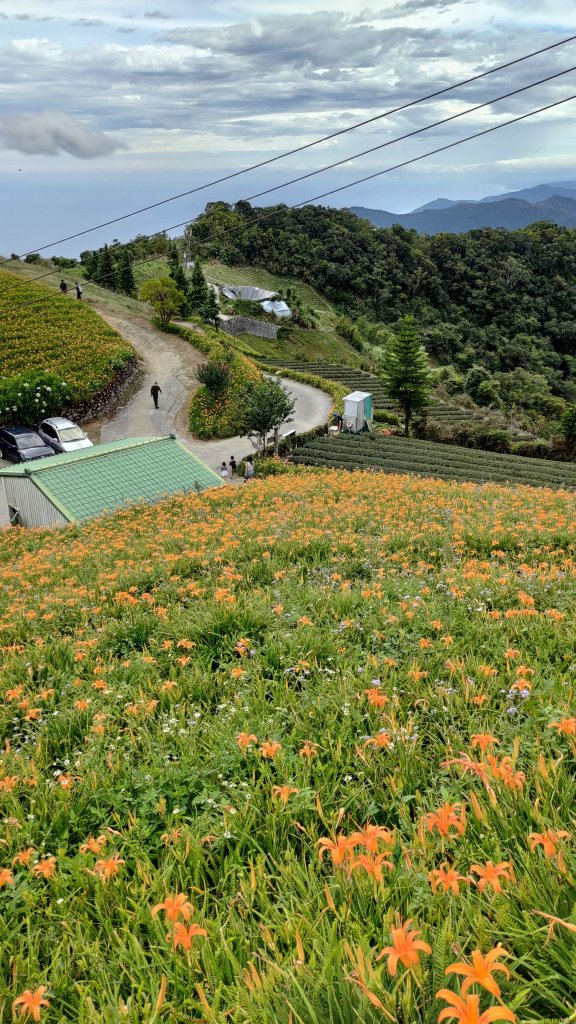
{"x": 176, "y": 272}
{"x": 126, "y": 282}
{"x": 407, "y": 376}
{"x": 106, "y": 274}
{"x": 198, "y": 290}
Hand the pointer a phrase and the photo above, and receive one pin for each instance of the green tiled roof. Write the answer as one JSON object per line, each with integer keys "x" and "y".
{"x": 94, "y": 480}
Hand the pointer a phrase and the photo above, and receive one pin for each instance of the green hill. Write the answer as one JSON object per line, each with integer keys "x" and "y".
{"x": 257, "y": 742}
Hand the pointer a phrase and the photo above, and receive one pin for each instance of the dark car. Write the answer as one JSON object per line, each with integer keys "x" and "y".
{"x": 20, "y": 444}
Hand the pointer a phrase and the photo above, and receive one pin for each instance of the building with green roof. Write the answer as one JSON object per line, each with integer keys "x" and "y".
{"x": 76, "y": 486}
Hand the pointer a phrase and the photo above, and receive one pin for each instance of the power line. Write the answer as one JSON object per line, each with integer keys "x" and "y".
{"x": 358, "y": 181}
{"x": 373, "y": 149}
{"x": 301, "y": 149}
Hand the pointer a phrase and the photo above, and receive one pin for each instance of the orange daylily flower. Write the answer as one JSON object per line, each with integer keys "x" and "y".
{"x": 244, "y": 739}
{"x": 6, "y": 877}
{"x": 467, "y": 1010}
{"x": 23, "y": 857}
{"x": 481, "y": 970}
{"x": 447, "y": 817}
{"x": 376, "y": 698}
{"x": 183, "y": 935}
{"x": 308, "y": 750}
{"x": 447, "y": 878}
{"x": 109, "y": 867}
{"x": 30, "y": 1004}
{"x": 270, "y": 748}
{"x": 372, "y": 864}
{"x": 340, "y": 849}
{"x": 93, "y": 845}
{"x": 174, "y": 906}
{"x": 549, "y": 841}
{"x": 483, "y": 740}
{"x": 283, "y": 793}
{"x": 369, "y": 836}
{"x": 490, "y": 874}
{"x": 382, "y": 739}
{"x": 406, "y": 947}
{"x": 565, "y": 725}
{"x": 45, "y": 867}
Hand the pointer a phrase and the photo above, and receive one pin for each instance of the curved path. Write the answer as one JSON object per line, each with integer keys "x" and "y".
{"x": 172, "y": 362}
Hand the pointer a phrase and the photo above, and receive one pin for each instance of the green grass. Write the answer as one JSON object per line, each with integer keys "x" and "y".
{"x": 372, "y": 627}
{"x": 430, "y": 459}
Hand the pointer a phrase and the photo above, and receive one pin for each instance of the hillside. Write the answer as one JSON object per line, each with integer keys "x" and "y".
{"x": 248, "y": 735}
{"x": 40, "y": 329}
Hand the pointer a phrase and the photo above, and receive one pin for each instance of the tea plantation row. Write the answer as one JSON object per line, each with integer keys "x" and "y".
{"x": 427, "y": 458}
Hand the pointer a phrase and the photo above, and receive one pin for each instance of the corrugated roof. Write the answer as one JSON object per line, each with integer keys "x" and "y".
{"x": 94, "y": 480}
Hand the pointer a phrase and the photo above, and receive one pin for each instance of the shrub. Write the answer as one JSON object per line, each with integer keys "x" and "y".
{"x": 214, "y": 375}
{"x": 30, "y": 397}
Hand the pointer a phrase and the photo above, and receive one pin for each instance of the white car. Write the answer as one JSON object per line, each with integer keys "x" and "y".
{"x": 62, "y": 435}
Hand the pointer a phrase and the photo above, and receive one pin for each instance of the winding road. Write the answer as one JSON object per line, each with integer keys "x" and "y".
{"x": 172, "y": 362}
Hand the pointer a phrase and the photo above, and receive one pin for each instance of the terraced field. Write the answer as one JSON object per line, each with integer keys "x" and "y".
{"x": 429, "y": 459}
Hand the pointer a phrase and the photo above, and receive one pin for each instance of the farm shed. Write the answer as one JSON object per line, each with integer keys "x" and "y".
{"x": 79, "y": 485}
{"x": 357, "y": 411}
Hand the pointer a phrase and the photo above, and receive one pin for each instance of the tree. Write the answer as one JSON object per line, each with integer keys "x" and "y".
{"x": 407, "y": 375}
{"x": 126, "y": 282}
{"x": 106, "y": 273}
{"x": 164, "y": 297}
{"x": 568, "y": 426}
{"x": 197, "y": 289}
{"x": 176, "y": 272}
{"x": 214, "y": 375}
{"x": 210, "y": 311}
{"x": 265, "y": 406}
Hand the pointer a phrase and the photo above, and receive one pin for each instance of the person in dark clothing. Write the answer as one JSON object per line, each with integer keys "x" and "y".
{"x": 63, "y": 286}
{"x": 155, "y": 390}
{"x": 233, "y": 467}
{"x": 79, "y": 291}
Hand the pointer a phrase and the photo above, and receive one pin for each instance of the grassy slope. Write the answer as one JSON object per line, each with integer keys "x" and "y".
{"x": 369, "y": 625}
{"x": 43, "y": 330}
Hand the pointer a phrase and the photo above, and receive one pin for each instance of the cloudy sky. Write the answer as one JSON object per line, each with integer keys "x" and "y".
{"x": 109, "y": 106}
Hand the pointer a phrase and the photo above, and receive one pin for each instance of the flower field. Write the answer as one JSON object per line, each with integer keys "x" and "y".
{"x": 43, "y": 330}
{"x": 296, "y": 752}
{"x": 428, "y": 458}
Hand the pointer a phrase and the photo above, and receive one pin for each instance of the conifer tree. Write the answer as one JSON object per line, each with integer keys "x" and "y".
{"x": 197, "y": 288}
{"x": 106, "y": 273}
{"x": 126, "y": 282}
{"x": 176, "y": 272}
{"x": 210, "y": 311}
{"x": 407, "y": 376}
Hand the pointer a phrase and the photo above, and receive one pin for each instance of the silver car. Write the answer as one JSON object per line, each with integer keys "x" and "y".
{"x": 62, "y": 435}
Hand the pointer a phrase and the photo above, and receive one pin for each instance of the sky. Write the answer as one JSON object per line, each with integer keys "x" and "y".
{"x": 108, "y": 107}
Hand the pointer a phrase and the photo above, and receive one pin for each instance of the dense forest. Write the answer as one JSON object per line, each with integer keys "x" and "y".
{"x": 502, "y": 300}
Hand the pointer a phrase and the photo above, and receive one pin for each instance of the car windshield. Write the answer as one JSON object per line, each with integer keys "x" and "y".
{"x": 29, "y": 441}
{"x": 72, "y": 434}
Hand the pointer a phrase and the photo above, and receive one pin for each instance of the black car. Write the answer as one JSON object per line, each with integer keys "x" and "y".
{"x": 20, "y": 444}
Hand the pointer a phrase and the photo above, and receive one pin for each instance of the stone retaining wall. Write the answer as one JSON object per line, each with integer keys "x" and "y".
{"x": 107, "y": 398}
{"x": 237, "y": 325}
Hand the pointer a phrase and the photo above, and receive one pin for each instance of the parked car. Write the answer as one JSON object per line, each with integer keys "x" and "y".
{"x": 62, "y": 435}
{"x": 20, "y": 444}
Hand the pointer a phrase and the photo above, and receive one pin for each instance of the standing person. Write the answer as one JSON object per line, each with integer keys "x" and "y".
{"x": 233, "y": 467}
{"x": 63, "y": 286}
{"x": 155, "y": 390}
{"x": 248, "y": 468}
{"x": 79, "y": 290}
{"x": 224, "y": 471}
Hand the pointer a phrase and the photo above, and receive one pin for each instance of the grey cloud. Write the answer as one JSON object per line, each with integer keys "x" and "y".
{"x": 157, "y": 15}
{"x": 88, "y": 23}
{"x": 50, "y": 133}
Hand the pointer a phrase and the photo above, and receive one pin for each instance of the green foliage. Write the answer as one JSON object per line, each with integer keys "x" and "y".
{"x": 214, "y": 375}
{"x": 125, "y": 275}
{"x": 164, "y": 297}
{"x": 30, "y": 397}
{"x": 198, "y": 290}
{"x": 568, "y": 425}
{"x": 176, "y": 272}
{"x": 407, "y": 377}
{"x": 264, "y": 406}
{"x": 209, "y": 311}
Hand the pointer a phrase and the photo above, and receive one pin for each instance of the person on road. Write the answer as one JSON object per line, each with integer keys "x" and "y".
{"x": 224, "y": 471}
{"x": 233, "y": 467}
{"x": 248, "y": 468}
{"x": 155, "y": 390}
{"x": 79, "y": 290}
{"x": 63, "y": 286}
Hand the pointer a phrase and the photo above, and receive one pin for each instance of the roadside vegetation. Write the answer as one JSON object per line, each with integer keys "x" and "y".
{"x": 300, "y": 751}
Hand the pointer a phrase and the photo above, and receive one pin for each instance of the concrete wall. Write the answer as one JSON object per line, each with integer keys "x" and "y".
{"x": 237, "y": 325}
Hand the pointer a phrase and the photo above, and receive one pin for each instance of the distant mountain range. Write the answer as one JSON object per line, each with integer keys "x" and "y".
{"x": 555, "y": 202}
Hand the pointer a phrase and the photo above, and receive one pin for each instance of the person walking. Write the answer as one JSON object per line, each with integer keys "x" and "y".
{"x": 155, "y": 390}
{"x": 79, "y": 290}
{"x": 248, "y": 468}
{"x": 224, "y": 471}
{"x": 233, "y": 467}
{"x": 63, "y": 286}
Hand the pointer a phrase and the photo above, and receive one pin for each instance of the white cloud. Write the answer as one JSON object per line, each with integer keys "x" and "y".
{"x": 50, "y": 133}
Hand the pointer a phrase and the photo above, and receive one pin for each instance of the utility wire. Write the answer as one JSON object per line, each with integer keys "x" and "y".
{"x": 355, "y": 156}
{"x": 358, "y": 181}
{"x": 301, "y": 149}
